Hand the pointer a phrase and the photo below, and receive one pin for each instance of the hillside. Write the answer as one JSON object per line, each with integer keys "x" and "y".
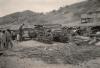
{"x": 67, "y": 14}
{"x": 22, "y": 17}
{"x": 72, "y": 13}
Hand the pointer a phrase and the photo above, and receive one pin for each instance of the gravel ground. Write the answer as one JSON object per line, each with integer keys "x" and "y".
{"x": 33, "y": 54}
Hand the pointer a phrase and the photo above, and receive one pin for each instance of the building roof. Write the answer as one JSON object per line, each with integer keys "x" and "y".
{"x": 86, "y": 16}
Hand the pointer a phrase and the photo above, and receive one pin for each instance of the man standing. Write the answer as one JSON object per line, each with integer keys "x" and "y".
{"x": 9, "y": 43}
{"x": 21, "y": 32}
{"x": 2, "y": 40}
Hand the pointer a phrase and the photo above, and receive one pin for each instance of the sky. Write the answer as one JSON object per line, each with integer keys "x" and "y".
{"x": 11, "y": 6}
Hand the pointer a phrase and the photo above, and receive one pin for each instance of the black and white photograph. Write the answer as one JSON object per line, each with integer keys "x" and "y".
{"x": 49, "y": 33}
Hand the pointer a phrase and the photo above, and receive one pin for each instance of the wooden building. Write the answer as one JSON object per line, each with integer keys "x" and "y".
{"x": 91, "y": 16}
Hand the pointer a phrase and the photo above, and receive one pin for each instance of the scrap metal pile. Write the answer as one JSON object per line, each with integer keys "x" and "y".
{"x": 81, "y": 35}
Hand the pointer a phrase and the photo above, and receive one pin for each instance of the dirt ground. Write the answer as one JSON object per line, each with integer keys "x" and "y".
{"x": 33, "y": 54}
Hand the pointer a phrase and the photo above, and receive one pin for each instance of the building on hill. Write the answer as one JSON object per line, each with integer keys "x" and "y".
{"x": 86, "y": 18}
{"x": 92, "y": 15}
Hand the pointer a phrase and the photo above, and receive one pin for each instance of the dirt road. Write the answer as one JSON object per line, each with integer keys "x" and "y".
{"x": 15, "y": 58}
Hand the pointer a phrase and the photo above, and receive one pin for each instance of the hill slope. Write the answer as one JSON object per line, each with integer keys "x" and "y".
{"x": 22, "y": 17}
{"x": 72, "y": 13}
{"x": 67, "y": 14}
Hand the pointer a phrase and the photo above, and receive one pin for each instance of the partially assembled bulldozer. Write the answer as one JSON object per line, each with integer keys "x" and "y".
{"x": 43, "y": 34}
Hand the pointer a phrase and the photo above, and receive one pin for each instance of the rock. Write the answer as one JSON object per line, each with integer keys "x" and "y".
{"x": 97, "y": 44}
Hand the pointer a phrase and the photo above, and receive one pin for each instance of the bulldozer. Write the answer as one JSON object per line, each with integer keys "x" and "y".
{"x": 43, "y": 34}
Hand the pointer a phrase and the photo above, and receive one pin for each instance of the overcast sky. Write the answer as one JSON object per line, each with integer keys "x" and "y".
{"x": 10, "y": 6}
